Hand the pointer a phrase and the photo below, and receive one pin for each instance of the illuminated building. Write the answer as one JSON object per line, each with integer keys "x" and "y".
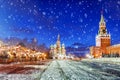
{"x": 103, "y": 40}
{"x": 1, "y": 43}
{"x": 57, "y": 51}
{"x": 19, "y": 54}
{"x": 114, "y": 50}
{"x": 103, "y": 43}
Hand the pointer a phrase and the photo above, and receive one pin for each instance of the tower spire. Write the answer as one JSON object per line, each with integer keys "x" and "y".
{"x": 102, "y": 21}
{"x": 102, "y": 17}
{"x": 102, "y": 25}
{"x": 58, "y": 39}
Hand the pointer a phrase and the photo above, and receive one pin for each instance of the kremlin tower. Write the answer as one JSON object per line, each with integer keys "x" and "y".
{"x": 103, "y": 39}
{"x": 57, "y": 51}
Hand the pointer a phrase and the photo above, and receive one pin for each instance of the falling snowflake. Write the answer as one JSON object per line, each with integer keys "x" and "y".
{"x": 100, "y": 0}
{"x": 9, "y": 16}
{"x": 85, "y": 15}
{"x": 1, "y": 6}
{"x": 109, "y": 17}
{"x": 81, "y": 20}
{"x": 11, "y": 3}
{"x": 72, "y": 15}
{"x": 40, "y": 27}
{"x": 118, "y": 2}
{"x": 52, "y": 11}
{"x": 80, "y": 3}
{"x": 68, "y": 5}
{"x": 79, "y": 38}
{"x": 44, "y": 13}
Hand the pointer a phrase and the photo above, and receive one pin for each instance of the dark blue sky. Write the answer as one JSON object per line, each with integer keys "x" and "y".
{"x": 74, "y": 20}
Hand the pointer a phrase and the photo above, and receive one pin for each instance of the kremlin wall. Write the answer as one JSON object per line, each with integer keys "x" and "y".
{"x": 103, "y": 46}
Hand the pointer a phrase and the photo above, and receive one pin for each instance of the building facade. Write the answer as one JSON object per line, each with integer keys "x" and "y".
{"x": 114, "y": 50}
{"x": 57, "y": 51}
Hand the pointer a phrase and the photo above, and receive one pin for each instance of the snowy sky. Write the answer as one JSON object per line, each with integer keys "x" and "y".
{"x": 74, "y": 20}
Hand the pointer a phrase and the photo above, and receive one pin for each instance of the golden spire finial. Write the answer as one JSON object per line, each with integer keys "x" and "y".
{"x": 102, "y": 17}
{"x": 102, "y": 21}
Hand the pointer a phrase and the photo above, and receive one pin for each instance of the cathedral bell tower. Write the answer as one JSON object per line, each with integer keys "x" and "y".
{"x": 103, "y": 39}
{"x": 58, "y": 46}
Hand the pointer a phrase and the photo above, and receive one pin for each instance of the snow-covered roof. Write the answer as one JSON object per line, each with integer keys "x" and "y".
{"x": 115, "y": 45}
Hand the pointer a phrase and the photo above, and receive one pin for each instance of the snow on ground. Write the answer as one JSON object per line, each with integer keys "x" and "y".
{"x": 104, "y": 60}
{"x": 82, "y": 70}
{"x": 87, "y": 69}
{"x": 53, "y": 72}
{"x": 20, "y": 76}
{"x": 21, "y": 72}
{"x": 16, "y": 77}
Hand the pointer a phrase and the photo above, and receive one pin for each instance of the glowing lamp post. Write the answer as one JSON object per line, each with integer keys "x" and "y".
{"x": 88, "y": 56}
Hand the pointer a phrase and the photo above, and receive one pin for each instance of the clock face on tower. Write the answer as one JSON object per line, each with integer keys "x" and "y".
{"x": 104, "y": 31}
